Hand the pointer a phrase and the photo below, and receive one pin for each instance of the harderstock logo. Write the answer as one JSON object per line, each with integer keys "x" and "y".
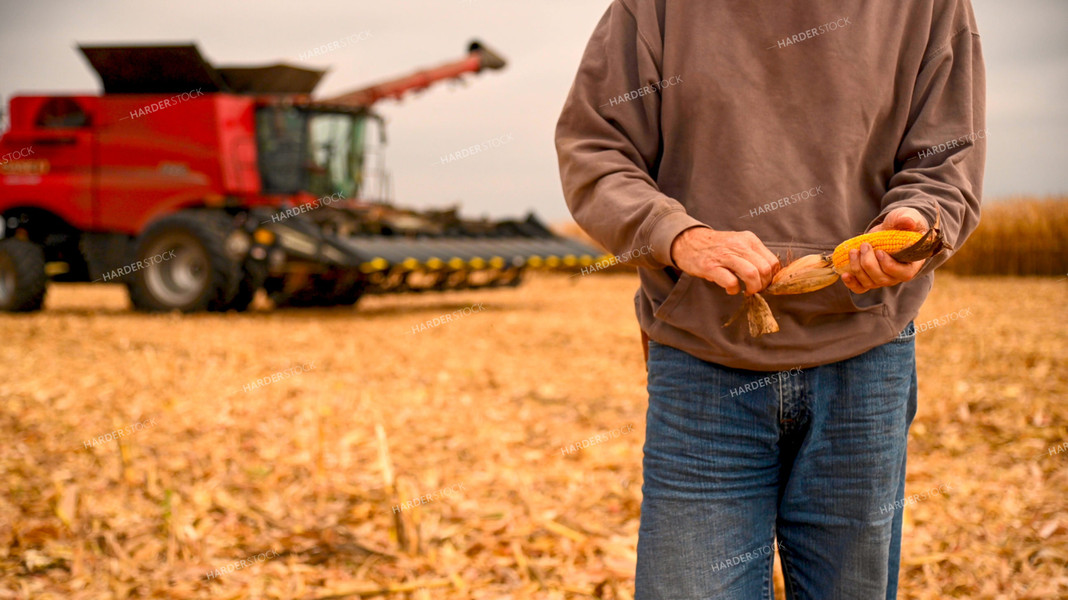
{"x": 785, "y": 201}
{"x": 165, "y": 103}
{"x": 16, "y": 155}
{"x": 137, "y": 266}
{"x": 914, "y": 498}
{"x": 646, "y": 90}
{"x": 797, "y": 38}
{"x": 350, "y": 40}
{"x": 120, "y": 433}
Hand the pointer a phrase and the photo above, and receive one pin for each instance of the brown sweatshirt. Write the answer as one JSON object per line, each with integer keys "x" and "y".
{"x": 805, "y": 123}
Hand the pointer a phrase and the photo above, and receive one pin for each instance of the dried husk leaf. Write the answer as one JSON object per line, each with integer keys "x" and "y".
{"x": 806, "y": 274}
{"x": 758, "y": 314}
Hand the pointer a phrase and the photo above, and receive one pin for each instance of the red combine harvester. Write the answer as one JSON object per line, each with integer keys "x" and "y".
{"x": 197, "y": 185}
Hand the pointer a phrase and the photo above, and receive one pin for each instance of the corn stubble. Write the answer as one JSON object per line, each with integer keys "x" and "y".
{"x": 816, "y": 271}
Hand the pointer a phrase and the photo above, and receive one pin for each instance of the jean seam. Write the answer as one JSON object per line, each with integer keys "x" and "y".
{"x": 767, "y": 582}
{"x": 779, "y": 389}
{"x": 787, "y": 576}
{"x": 769, "y": 572}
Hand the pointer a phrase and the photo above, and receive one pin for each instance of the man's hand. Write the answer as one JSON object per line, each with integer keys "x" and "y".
{"x": 870, "y": 269}
{"x": 726, "y": 258}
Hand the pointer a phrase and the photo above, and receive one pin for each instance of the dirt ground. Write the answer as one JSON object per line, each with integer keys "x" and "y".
{"x": 217, "y": 465}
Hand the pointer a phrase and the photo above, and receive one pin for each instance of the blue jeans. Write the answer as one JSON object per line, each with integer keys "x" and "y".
{"x": 738, "y": 462}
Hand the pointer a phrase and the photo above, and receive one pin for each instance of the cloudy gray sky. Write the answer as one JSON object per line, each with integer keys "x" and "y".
{"x": 1025, "y": 43}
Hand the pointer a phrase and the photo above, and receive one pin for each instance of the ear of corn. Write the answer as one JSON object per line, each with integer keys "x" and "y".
{"x": 890, "y": 241}
{"x": 927, "y": 246}
{"x": 815, "y": 271}
{"x": 806, "y": 274}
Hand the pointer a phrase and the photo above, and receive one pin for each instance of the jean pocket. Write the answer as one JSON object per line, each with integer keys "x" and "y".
{"x": 907, "y": 334}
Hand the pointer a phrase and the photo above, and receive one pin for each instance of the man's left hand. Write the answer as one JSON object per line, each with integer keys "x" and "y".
{"x": 870, "y": 269}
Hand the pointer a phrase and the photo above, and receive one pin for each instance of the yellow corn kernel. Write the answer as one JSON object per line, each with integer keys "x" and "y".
{"x": 889, "y": 241}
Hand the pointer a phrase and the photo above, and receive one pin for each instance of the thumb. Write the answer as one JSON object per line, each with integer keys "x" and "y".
{"x": 907, "y": 219}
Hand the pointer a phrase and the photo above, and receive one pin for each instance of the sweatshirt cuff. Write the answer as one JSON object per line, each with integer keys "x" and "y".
{"x": 926, "y": 207}
{"x": 666, "y": 230}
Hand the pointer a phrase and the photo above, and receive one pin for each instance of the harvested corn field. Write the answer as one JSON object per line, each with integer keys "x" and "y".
{"x": 363, "y": 453}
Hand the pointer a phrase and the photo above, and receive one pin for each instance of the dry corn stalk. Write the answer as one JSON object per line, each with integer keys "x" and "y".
{"x": 817, "y": 271}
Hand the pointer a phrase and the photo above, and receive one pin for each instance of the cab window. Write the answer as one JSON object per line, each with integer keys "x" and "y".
{"x": 61, "y": 113}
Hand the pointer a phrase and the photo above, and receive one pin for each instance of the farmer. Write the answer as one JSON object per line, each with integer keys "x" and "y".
{"x": 729, "y": 136}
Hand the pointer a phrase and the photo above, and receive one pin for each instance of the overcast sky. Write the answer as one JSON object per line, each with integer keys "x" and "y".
{"x": 1025, "y": 44}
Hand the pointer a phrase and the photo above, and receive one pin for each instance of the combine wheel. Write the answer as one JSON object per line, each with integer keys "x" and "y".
{"x": 187, "y": 265}
{"x": 23, "y": 281}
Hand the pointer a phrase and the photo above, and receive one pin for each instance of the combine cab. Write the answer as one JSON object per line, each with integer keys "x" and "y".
{"x": 196, "y": 186}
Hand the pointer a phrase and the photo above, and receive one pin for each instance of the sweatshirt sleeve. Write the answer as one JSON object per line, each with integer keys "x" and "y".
{"x": 943, "y": 152}
{"x": 608, "y": 143}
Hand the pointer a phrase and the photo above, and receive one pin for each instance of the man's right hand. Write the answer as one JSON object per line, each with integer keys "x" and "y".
{"x": 726, "y": 258}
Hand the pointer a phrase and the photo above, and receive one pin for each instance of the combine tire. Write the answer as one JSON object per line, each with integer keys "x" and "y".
{"x": 23, "y": 282}
{"x": 196, "y": 272}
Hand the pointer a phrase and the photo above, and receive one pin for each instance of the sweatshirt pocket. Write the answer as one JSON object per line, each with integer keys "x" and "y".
{"x": 677, "y": 294}
{"x": 701, "y": 308}
{"x": 839, "y": 300}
